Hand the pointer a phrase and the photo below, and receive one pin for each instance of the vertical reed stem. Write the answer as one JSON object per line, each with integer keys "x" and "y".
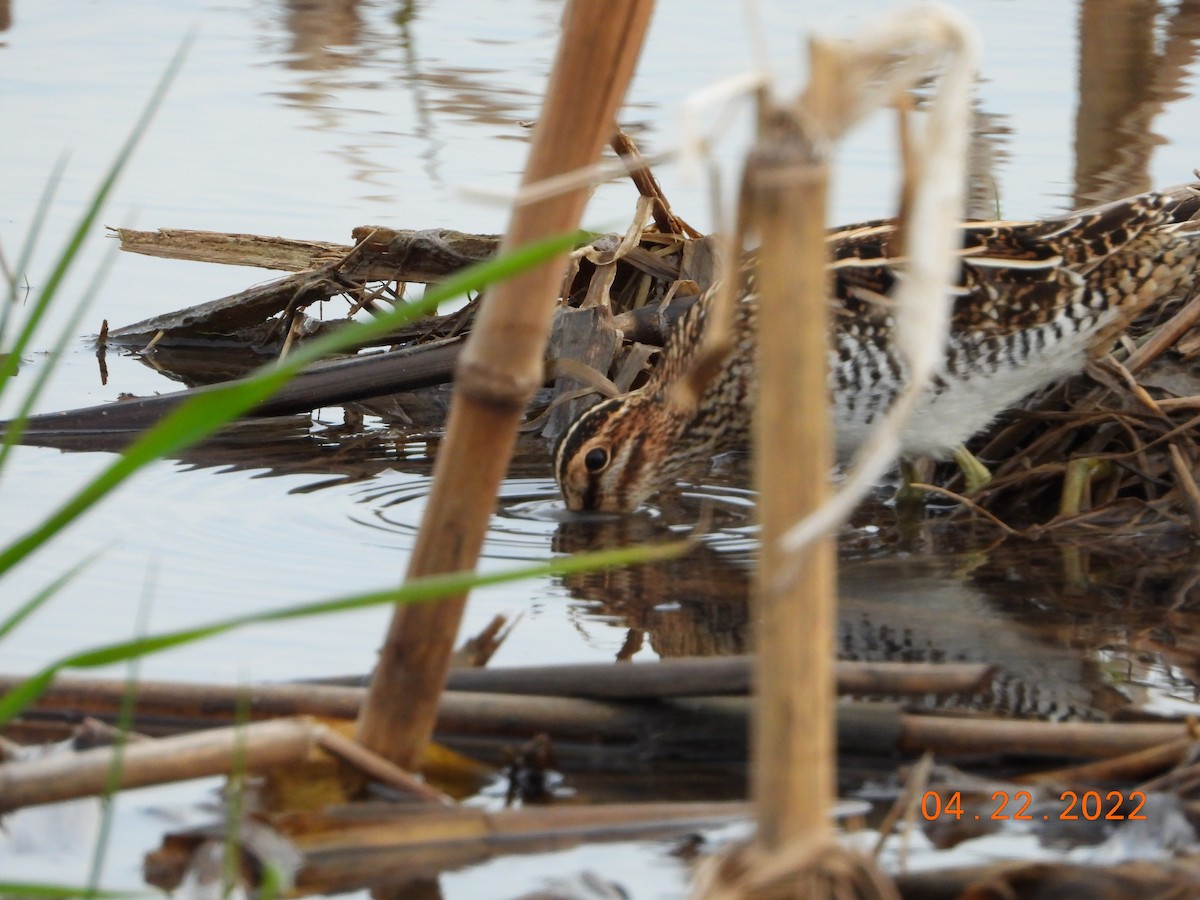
{"x": 794, "y": 749}
{"x": 500, "y": 368}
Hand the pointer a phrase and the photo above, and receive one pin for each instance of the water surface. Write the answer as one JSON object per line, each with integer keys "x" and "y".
{"x": 307, "y": 120}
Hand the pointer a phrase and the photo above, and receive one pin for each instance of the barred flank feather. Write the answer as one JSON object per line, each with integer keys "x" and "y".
{"x": 1034, "y": 300}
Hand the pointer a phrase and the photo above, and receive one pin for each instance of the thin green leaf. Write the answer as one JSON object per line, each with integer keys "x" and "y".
{"x": 235, "y": 802}
{"x": 59, "y": 891}
{"x": 15, "y": 428}
{"x": 25, "y": 693}
{"x": 66, "y": 257}
{"x": 33, "y": 604}
{"x": 31, "y": 238}
{"x": 124, "y": 726}
{"x": 421, "y": 590}
{"x": 204, "y": 413}
{"x": 272, "y": 881}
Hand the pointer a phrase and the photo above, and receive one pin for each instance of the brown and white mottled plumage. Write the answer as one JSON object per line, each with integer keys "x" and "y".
{"x": 1034, "y": 300}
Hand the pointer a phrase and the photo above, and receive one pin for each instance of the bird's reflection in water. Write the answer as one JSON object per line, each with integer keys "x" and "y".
{"x": 1078, "y": 633}
{"x": 696, "y": 605}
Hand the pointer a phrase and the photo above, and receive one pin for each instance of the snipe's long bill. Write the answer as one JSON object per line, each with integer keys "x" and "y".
{"x": 1034, "y": 300}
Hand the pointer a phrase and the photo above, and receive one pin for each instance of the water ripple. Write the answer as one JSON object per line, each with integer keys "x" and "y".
{"x": 531, "y": 521}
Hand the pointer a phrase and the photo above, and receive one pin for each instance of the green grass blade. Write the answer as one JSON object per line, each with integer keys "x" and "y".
{"x": 124, "y": 725}
{"x": 33, "y": 604}
{"x": 205, "y": 413}
{"x": 272, "y": 881}
{"x": 66, "y": 258}
{"x": 14, "y": 429}
{"x": 62, "y": 891}
{"x": 420, "y": 590}
{"x": 21, "y": 267}
{"x": 24, "y": 694}
{"x": 235, "y": 802}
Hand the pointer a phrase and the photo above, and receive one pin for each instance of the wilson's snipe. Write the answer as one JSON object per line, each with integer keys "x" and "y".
{"x": 1035, "y": 299}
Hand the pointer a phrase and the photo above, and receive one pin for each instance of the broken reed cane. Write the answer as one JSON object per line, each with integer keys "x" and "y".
{"x": 499, "y": 370}
{"x": 794, "y": 752}
{"x": 217, "y": 751}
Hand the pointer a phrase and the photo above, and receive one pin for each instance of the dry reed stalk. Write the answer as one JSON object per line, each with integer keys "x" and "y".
{"x": 793, "y": 773}
{"x": 784, "y": 191}
{"x": 711, "y": 727}
{"x": 353, "y": 828}
{"x": 470, "y": 692}
{"x": 894, "y": 55}
{"x": 1126, "y": 767}
{"x": 648, "y": 186}
{"x": 951, "y": 736}
{"x": 377, "y": 254}
{"x": 794, "y": 735}
{"x": 217, "y": 752}
{"x": 845, "y": 82}
{"x": 375, "y": 767}
{"x": 376, "y": 844}
{"x": 1167, "y": 336}
{"x": 499, "y": 370}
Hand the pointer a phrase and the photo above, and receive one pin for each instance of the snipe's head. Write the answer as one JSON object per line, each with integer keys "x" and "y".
{"x": 621, "y": 452}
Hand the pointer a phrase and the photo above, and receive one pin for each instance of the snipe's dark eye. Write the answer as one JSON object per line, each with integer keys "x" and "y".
{"x": 596, "y": 459}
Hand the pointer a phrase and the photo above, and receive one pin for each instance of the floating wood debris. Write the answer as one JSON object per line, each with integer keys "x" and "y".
{"x": 660, "y": 725}
{"x": 368, "y": 844}
{"x": 222, "y": 751}
{"x": 1135, "y": 420}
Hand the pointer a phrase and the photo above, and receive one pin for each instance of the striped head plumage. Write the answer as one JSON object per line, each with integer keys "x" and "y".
{"x": 623, "y": 450}
{"x": 1034, "y": 300}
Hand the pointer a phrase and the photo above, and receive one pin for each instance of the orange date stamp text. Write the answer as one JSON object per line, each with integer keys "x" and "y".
{"x": 1110, "y": 806}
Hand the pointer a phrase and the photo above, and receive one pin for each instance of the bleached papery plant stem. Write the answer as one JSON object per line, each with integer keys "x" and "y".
{"x": 588, "y": 176}
{"x": 726, "y": 97}
{"x": 694, "y": 146}
{"x": 921, "y": 37}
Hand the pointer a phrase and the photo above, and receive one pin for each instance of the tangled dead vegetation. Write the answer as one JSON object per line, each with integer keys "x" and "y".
{"x": 1107, "y": 454}
{"x": 1111, "y": 452}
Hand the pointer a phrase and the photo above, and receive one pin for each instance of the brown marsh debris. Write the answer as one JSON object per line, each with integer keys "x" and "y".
{"x": 1111, "y": 453}
{"x": 1106, "y": 454}
{"x": 1120, "y": 433}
